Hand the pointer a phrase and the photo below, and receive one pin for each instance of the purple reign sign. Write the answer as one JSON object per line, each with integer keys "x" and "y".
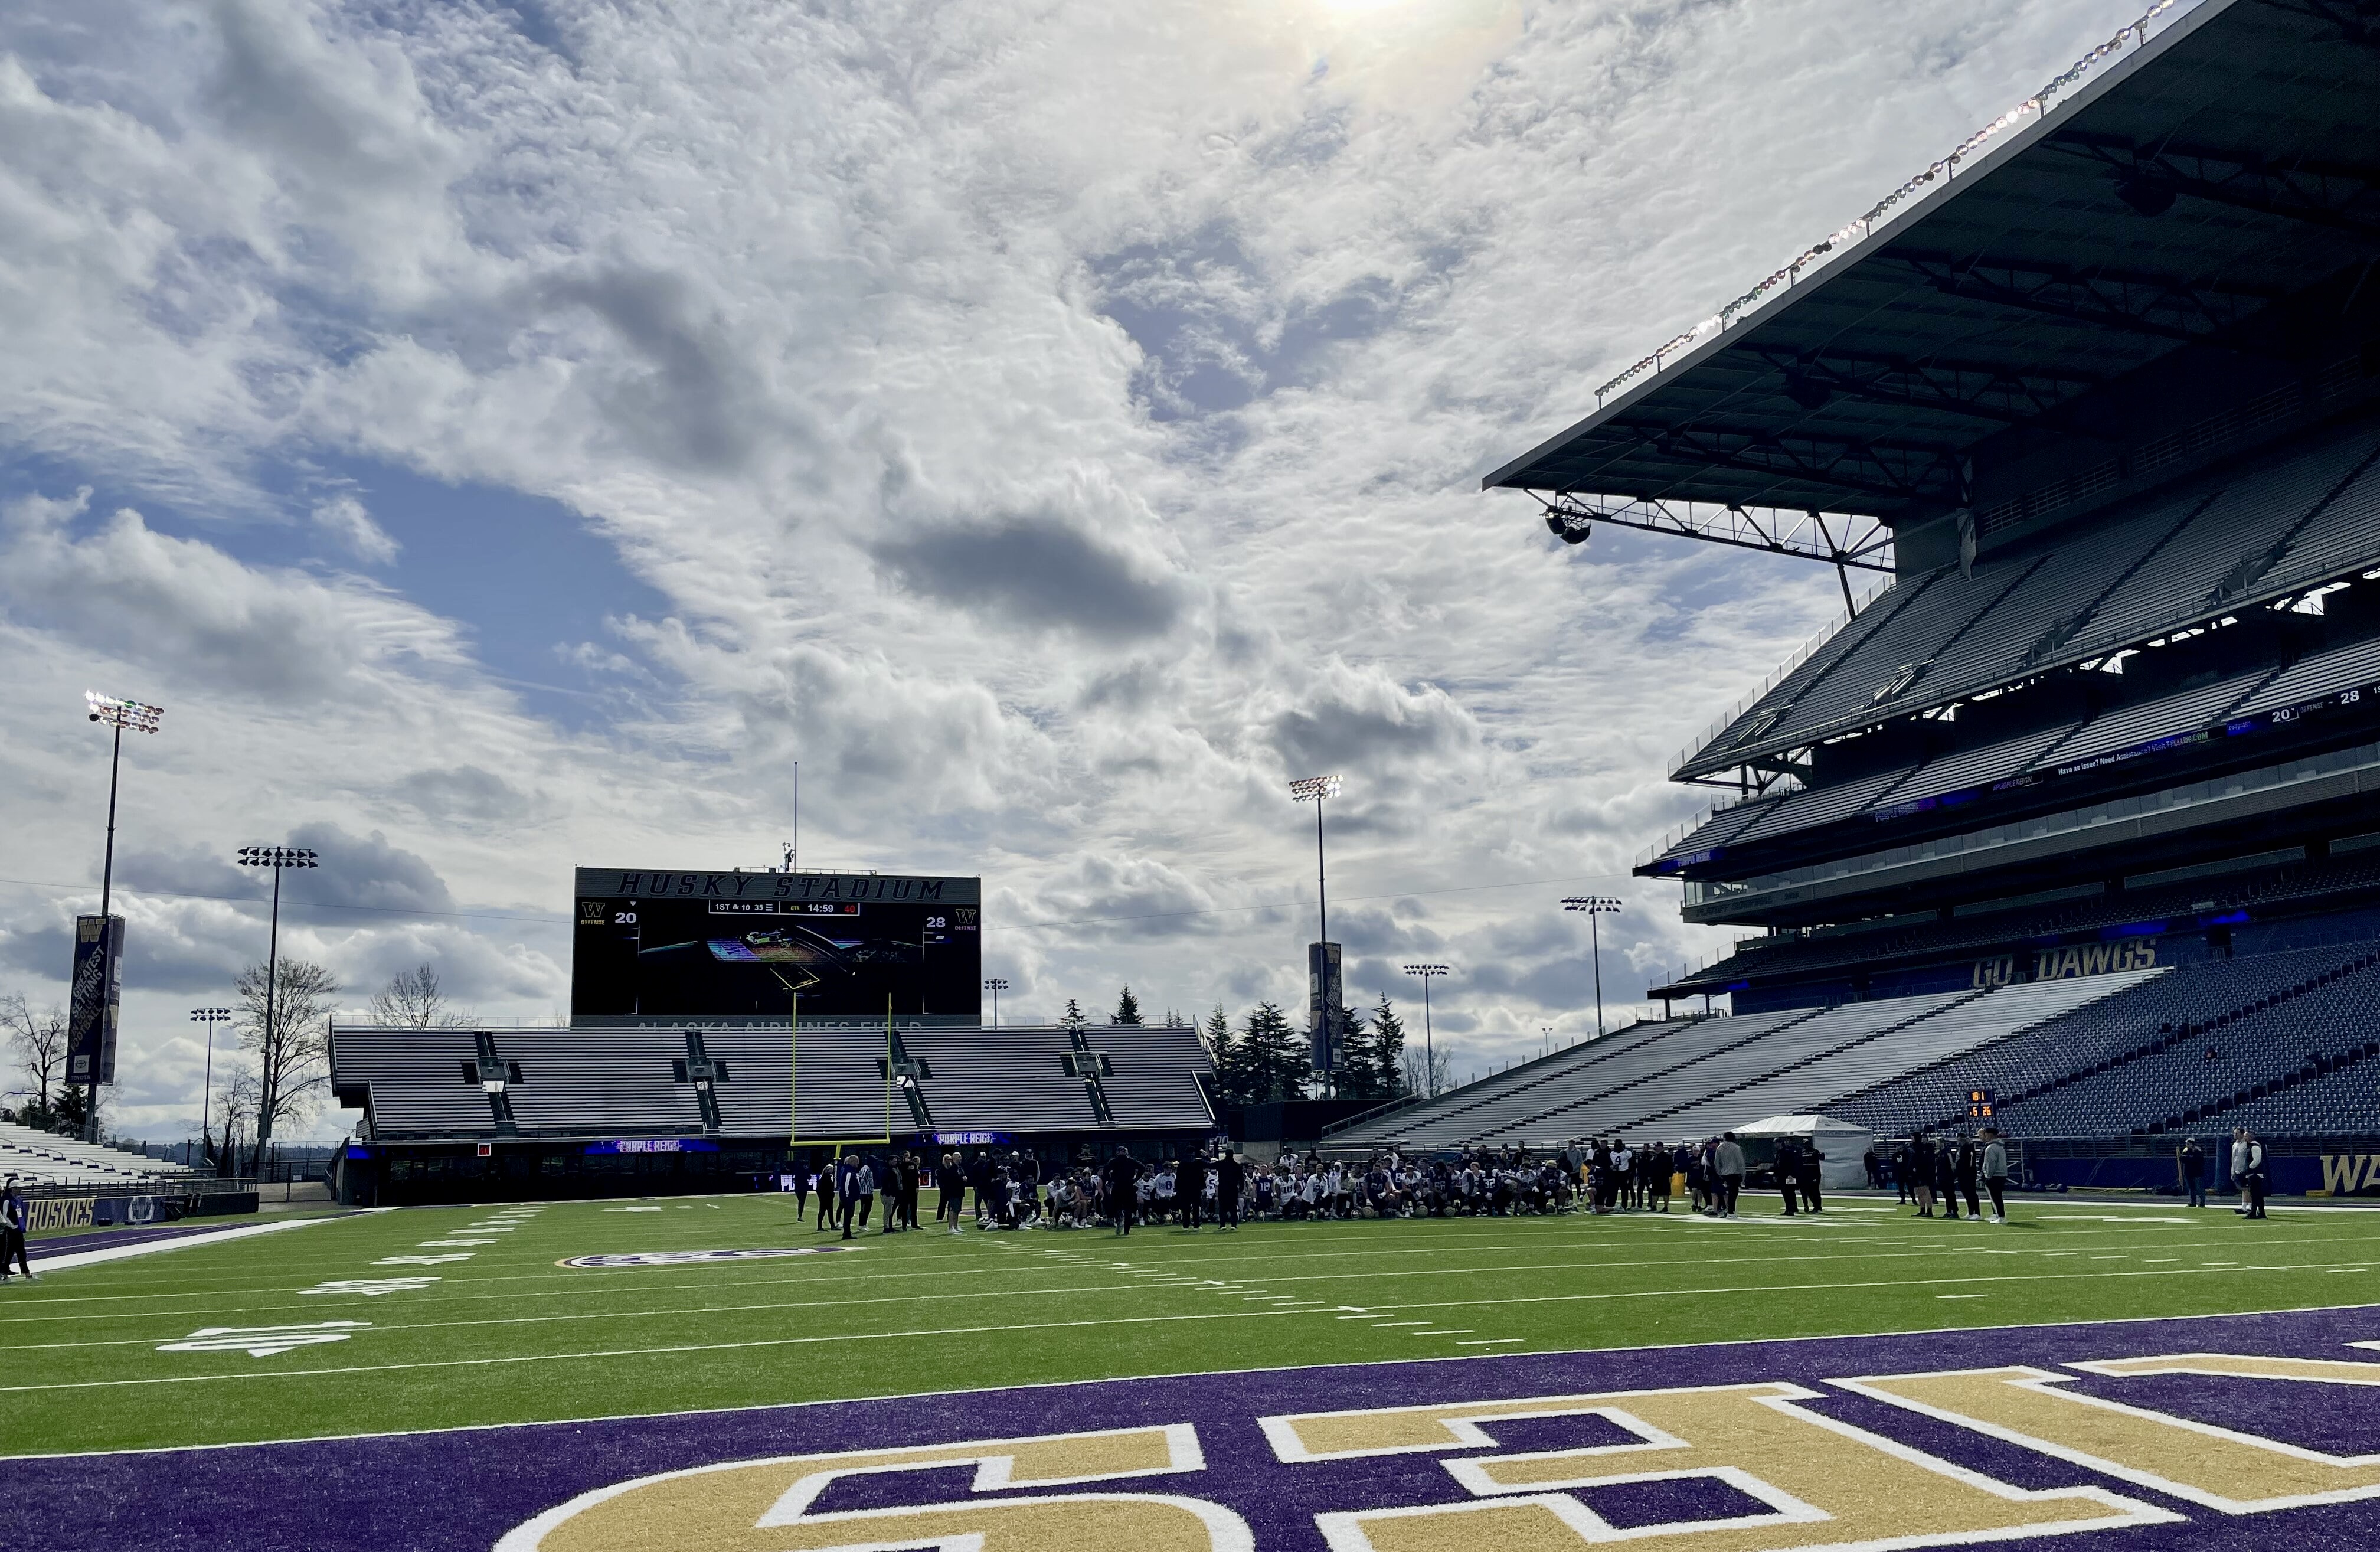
{"x": 2236, "y": 1432}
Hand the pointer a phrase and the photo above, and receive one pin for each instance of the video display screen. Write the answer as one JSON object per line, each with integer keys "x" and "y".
{"x": 654, "y": 948}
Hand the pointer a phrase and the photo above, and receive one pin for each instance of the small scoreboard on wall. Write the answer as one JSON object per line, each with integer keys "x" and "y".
{"x": 1982, "y": 1104}
{"x": 675, "y": 948}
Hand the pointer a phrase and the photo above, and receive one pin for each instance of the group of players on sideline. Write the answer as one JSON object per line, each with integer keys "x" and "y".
{"x": 1218, "y": 1186}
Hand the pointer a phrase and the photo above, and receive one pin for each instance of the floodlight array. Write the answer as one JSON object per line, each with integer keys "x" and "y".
{"x": 1593, "y": 904}
{"x": 137, "y": 715}
{"x": 277, "y": 857}
{"x": 1313, "y": 789}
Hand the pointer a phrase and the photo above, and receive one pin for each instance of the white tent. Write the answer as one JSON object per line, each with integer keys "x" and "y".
{"x": 1840, "y": 1141}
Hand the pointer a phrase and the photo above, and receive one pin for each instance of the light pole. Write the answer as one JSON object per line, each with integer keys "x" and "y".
{"x": 118, "y": 714}
{"x": 1594, "y": 905}
{"x": 1428, "y": 973}
{"x": 210, "y": 1017}
{"x": 1317, "y": 790}
{"x": 995, "y": 985}
{"x": 276, "y": 858}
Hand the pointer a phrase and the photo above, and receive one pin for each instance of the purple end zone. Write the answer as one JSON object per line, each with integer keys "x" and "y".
{"x": 459, "y": 1491}
{"x": 108, "y": 1239}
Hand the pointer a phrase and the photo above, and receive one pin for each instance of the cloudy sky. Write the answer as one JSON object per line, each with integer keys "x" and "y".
{"x": 508, "y": 437}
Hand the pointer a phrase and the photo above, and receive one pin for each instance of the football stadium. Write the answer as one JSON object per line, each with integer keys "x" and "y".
{"x": 2013, "y": 1180}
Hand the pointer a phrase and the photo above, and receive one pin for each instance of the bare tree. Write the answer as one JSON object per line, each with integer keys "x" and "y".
{"x": 234, "y": 1107}
{"x": 1422, "y": 1078}
{"x": 412, "y": 999}
{"x": 38, "y": 1042}
{"x": 293, "y": 1048}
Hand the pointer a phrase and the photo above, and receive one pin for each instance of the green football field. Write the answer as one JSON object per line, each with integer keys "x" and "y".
{"x": 434, "y": 1317}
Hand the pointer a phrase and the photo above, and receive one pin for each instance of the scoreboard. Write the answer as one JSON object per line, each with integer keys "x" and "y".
{"x": 677, "y": 948}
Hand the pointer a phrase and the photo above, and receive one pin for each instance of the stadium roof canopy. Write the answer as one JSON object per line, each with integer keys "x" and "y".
{"x": 2229, "y": 160}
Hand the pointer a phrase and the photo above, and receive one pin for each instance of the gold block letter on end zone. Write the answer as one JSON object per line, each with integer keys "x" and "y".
{"x": 763, "y": 1506}
{"x": 2237, "y": 1472}
{"x": 1846, "y": 1485}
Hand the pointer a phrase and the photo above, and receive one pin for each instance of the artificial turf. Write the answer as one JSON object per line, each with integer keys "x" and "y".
{"x": 506, "y": 1335}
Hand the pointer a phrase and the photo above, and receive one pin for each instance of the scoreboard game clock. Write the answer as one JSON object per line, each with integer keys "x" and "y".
{"x": 677, "y": 947}
{"x": 1982, "y": 1104}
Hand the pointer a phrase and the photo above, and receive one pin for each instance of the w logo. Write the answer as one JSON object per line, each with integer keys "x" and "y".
{"x": 2343, "y": 1174}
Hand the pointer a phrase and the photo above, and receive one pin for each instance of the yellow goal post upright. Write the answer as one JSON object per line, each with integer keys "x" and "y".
{"x": 794, "y": 1078}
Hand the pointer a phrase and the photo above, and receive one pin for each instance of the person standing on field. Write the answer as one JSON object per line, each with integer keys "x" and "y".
{"x": 2193, "y": 1172}
{"x": 1729, "y": 1159}
{"x": 12, "y": 1230}
{"x": 2255, "y": 1179}
{"x": 1231, "y": 1178}
{"x": 2239, "y": 1167}
{"x": 950, "y": 1178}
{"x": 1963, "y": 1166}
{"x": 1946, "y": 1177}
{"x": 1996, "y": 1169}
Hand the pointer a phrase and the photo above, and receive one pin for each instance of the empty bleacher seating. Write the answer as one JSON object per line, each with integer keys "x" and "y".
{"x": 2289, "y": 519}
{"x": 2138, "y": 1060}
{"x": 41, "y": 1160}
{"x": 427, "y": 1085}
{"x": 1693, "y": 1078}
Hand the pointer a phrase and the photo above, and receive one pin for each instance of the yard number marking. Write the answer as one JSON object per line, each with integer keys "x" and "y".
{"x": 264, "y": 1342}
{"x": 370, "y": 1287}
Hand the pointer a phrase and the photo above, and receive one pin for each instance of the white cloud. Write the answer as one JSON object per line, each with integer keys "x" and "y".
{"x": 1055, "y": 426}
{"x": 344, "y": 518}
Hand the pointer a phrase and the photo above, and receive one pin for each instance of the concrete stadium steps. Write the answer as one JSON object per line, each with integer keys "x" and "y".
{"x": 1152, "y": 1081}
{"x": 410, "y": 1081}
{"x": 1718, "y": 1074}
{"x": 599, "y": 1081}
{"x": 1000, "y": 1080}
{"x": 1618, "y": 1083}
{"x": 1712, "y": 1086}
{"x": 840, "y": 1087}
{"x": 1959, "y": 1024}
{"x": 1421, "y": 1124}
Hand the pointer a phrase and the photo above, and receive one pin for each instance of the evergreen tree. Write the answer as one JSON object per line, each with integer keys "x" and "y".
{"x": 1074, "y": 1021}
{"x": 1127, "y": 1008}
{"x": 1229, "y": 1054}
{"x": 1389, "y": 1051}
{"x": 1274, "y": 1056}
{"x": 1358, "y": 1074}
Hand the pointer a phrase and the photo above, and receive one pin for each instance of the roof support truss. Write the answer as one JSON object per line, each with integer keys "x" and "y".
{"x": 2160, "y": 306}
{"x": 2340, "y": 199}
{"x": 1842, "y": 540}
{"x": 1984, "y": 393}
{"x": 1895, "y": 473}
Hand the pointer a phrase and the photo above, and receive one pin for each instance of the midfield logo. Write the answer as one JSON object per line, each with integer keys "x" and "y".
{"x": 1752, "y": 1465}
